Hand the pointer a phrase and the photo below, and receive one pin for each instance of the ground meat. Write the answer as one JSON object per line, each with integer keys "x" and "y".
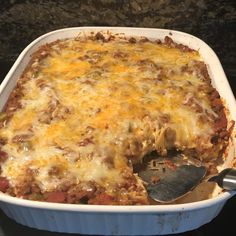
{"x": 102, "y": 199}
{"x": 120, "y": 54}
{"x": 14, "y": 102}
{"x": 57, "y": 197}
{"x": 132, "y": 148}
{"x": 169, "y": 42}
{"x": 3, "y": 120}
{"x": 82, "y": 192}
{"x": 109, "y": 161}
{"x": 54, "y": 111}
{"x": 221, "y": 122}
{"x": 100, "y": 36}
{"x": 211, "y": 168}
{"x": 4, "y": 184}
{"x": 21, "y": 138}
{"x": 55, "y": 171}
{"x": 23, "y": 188}
{"x": 193, "y": 103}
{"x": 201, "y": 69}
{"x": 3, "y": 141}
{"x": 42, "y": 52}
{"x": 35, "y": 188}
{"x": 170, "y": 165}
{"x": 3, "y": 156}
{"x": 214, "y": 94}
{"x": 60, "y": 112}
{"x": 42, "y": 84}
{"x": 132, "y": 40}
{"x": 85, "y": 142}
{"x": 217, "y": 104}
{"x": 26, "y": 184}
{"x": 45, "y": 118}
{"x": 164, "y": 118}
{"x": 144, "y": 40}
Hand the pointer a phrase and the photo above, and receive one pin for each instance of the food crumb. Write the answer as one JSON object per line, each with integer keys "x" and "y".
{"x": 155, "y": 179}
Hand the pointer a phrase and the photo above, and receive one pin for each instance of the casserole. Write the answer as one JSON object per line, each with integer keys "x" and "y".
{"x": 60, "y": 121}
{"x": 120, "y": 227}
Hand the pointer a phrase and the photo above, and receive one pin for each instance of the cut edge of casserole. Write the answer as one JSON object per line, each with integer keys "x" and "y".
{"x": 87, "y": 109}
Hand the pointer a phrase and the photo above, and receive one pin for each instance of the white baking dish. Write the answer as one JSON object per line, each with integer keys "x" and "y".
{"x": 120, "y": 220}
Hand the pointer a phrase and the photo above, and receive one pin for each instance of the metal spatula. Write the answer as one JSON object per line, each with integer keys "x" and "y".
{"x": 168, "y": 178}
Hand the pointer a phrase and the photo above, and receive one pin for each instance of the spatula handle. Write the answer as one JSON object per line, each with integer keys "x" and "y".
{"x": 227, "y": 179}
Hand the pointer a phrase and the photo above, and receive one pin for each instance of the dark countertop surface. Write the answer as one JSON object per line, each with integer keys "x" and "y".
{"x": 212, "y": 21}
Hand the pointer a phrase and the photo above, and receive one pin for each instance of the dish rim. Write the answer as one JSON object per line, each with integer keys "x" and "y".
{"x": 117, "y": 209}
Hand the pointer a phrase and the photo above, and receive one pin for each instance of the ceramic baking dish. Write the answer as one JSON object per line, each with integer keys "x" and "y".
{"x": 121, "y": 220}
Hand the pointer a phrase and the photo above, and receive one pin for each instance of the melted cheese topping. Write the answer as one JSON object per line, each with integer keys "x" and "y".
{"x": 91, "y": 106}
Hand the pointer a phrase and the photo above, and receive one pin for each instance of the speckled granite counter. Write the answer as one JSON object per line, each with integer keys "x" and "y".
{"x": 212, "y": 21}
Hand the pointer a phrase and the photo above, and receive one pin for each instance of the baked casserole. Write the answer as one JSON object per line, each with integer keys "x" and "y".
{"x": 87, "y": 109}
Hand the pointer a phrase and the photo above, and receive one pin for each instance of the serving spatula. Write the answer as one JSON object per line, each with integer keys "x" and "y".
{"x": 170, "y": 178}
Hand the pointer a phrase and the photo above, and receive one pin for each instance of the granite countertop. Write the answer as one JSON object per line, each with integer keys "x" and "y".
{"x": 21, "y": 21}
